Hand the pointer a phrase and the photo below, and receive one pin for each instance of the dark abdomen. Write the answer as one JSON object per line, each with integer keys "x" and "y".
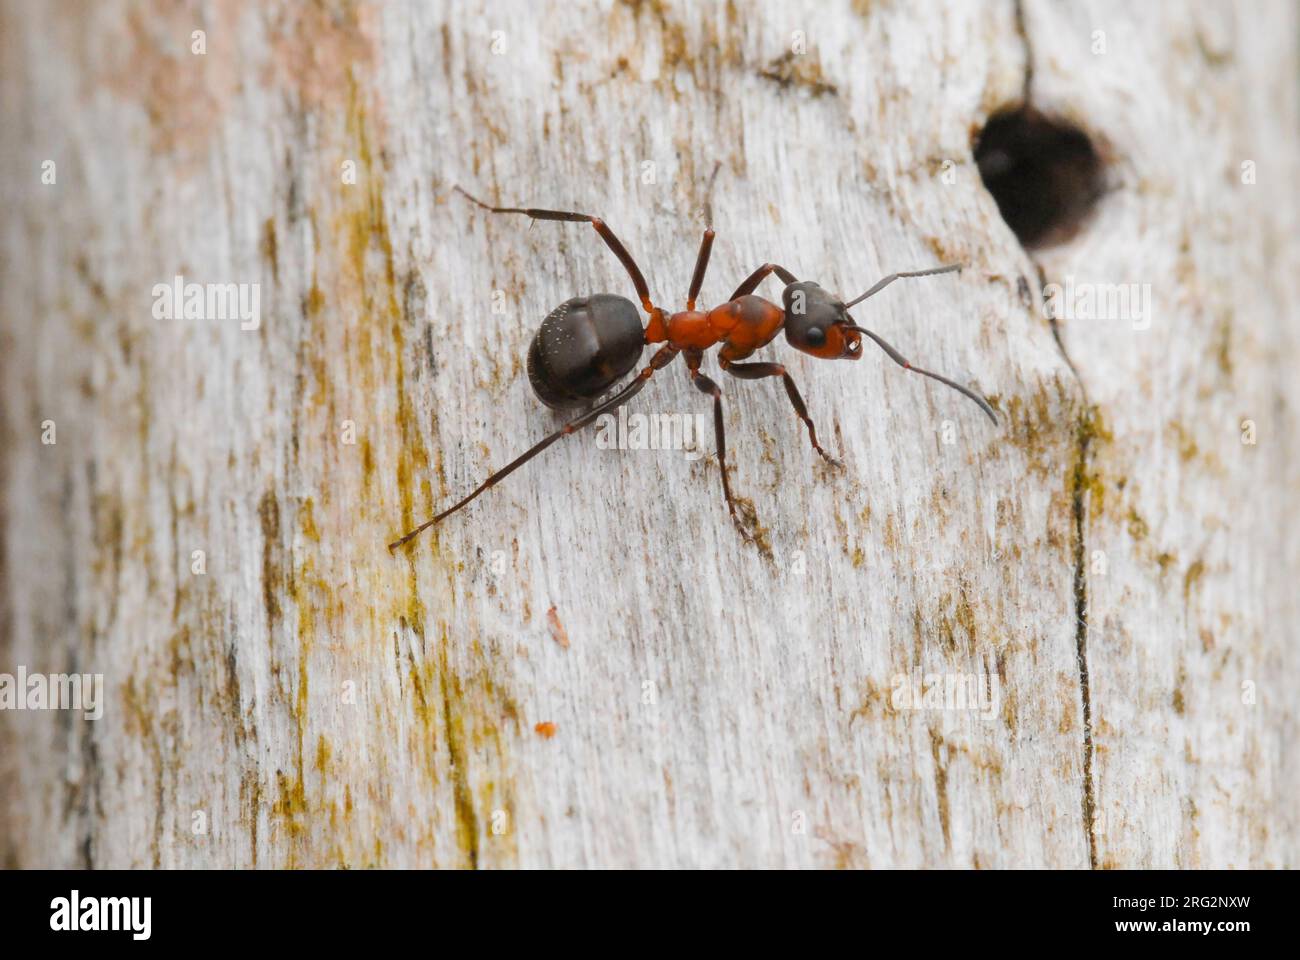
{"x": 583, "y": 347}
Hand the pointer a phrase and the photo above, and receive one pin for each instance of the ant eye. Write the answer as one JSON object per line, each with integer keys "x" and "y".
{"x": 815, "y": 336}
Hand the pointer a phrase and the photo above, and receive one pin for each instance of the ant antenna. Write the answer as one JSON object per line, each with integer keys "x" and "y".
{"x": 895, "y": 276}
{"x": 906, "y": 364}
{"x": 901, "y": 360}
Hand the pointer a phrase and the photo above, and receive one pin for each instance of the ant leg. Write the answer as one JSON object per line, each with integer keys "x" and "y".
{"x": 758, "y": 276}
{"x": 606, "y": 234}
{"x": 657, "y": 362}
{"x": 706, "y": 244}
{"x": 906, "y": 364}
{"x": 898, "y": 276}
{"x": 705, "y": 385}
{"x": 757, "y": 371}
{"x": 701, "y": 264}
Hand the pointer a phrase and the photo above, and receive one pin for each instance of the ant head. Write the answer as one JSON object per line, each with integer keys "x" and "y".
{"x": 819, "y": 324}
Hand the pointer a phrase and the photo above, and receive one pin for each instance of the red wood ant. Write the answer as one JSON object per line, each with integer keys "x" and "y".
{"x": 587, "y": 344}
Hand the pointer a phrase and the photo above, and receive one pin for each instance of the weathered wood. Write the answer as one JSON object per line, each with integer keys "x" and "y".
{"x": 1114, "y": 560}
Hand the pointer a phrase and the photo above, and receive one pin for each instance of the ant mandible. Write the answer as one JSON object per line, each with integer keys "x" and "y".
{"x": 588, "y": 344}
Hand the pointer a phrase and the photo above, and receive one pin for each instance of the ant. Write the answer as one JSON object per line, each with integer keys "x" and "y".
{"x": 587, "y": 344}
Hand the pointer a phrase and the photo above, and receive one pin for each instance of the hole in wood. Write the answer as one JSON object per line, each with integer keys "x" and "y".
{"x": 1045, "y": 174}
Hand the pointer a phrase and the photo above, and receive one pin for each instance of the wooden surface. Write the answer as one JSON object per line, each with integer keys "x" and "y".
{"x": 1114, "y": 560}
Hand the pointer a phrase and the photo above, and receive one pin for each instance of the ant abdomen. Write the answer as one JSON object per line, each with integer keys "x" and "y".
{"x": 583, "y": 347}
